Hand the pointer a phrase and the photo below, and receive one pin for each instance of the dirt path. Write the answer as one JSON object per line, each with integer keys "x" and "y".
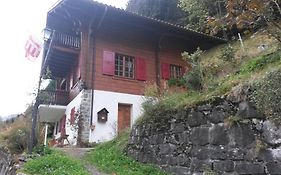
{"x": 79, "y": 153}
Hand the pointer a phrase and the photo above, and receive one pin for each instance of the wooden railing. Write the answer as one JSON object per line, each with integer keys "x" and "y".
{"x": 67, "y": 40}
{"x": 58, "y": 97}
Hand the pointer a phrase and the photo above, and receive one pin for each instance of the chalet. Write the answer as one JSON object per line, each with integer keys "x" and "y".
{"x": 101, "y": 57}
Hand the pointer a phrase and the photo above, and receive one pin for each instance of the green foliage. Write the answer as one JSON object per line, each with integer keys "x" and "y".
{"x": 198, "y": 11}
{"x": 228, "y": 53}
{"x": 261, "y": 62}
{"x": 17, "y": 139}
{"x": 193, "y": 58}
{"x": 110, "y": 158}
{"x": 54, "y": 164}
{"x": 267, "y": 95}
{"x": 42, "y": 150}
{"x": 176, "y": 82}
{"x": 194, "y": 77}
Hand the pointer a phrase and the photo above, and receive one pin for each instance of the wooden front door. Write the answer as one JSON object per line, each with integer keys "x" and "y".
{"x": 124, "y": 117}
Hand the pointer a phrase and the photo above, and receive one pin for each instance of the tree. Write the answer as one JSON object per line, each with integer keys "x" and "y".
{"x": 250, "y": 15}
{"x": 166, "y": 10}
{"x": 198, "y": 12}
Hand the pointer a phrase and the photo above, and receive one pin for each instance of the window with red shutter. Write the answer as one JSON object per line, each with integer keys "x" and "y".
{"x": 62, "y": 124}
{"x": 140, "y": 69}
{"x": 108, "y": 63}
{"x": 165, "y": 71}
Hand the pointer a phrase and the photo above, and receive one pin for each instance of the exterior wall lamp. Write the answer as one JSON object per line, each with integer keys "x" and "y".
{"x": 47, "y": 33}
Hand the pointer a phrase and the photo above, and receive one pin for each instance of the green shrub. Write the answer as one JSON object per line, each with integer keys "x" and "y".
{"x": 260, "y": 62}
{"x": 228, "y": 53}
{"x": 54, "y": 164}
{"x": 42, "y": 150}
{"x": 267, "y": 95}
{"x": 193, "y": 79}
{"x": 177, "y": 82}
{"x": 17, "y": 139}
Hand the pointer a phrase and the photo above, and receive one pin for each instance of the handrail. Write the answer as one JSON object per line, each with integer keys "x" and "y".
{"x": 67, "y": 40}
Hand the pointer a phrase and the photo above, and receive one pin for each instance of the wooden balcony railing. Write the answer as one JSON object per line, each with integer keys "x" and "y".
{"x": 58, "y": 97}
{"x": 67, "y": 40}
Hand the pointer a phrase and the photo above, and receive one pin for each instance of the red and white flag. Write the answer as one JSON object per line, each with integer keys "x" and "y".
{"x": 32, "y": 48}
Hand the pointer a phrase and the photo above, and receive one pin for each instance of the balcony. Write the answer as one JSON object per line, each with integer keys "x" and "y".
{"x": 66, "y": 40}
{"x": 58, "y": 97}
{"x": 61, "y": 53}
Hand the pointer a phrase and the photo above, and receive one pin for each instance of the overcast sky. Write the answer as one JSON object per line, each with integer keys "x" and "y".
{"x": 19, "y": 19}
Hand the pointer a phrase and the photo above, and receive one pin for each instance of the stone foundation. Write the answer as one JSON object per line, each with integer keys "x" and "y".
{"x": 220, "y": 137}
{"x": 84, "y": 118}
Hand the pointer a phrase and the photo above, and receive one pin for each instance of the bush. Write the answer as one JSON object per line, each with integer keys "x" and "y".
{"x": 17, "y": 139}
{"x": 179, "y": 82}
{"x": 228, "y": 53}
{"x": 42, "y": 150}
{"x": 193, "y": 79}
{"x": 267, "y": 95}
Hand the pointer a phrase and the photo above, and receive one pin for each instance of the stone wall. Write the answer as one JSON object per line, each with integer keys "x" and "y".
{"x": 85, "y": 117}
{"x": 219, "y": 137}
{"x": 6, "y": 163}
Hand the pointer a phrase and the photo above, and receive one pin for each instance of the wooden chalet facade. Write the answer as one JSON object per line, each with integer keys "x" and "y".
{"x": 101, "y": 58}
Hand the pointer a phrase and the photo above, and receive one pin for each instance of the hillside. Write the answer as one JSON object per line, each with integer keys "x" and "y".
{"x": 223, "y": 68}
{"x": 227, "y": 119}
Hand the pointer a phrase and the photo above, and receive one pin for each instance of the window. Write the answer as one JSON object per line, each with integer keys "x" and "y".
{"x": 175, "y": 71}
{"x": 124, "y": 66}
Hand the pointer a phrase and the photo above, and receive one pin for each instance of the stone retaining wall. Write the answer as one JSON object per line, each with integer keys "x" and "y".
{"x": 6, "y": 163}
{"x": 221, "y": 137}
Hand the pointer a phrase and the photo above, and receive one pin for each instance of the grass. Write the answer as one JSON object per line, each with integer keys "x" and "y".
{"x": 110, "y": 158}
{"x": 55, "y": 163}
{"x": 221, "y": 76}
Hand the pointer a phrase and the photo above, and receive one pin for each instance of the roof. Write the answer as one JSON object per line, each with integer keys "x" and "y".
{"x": 136, "y": 16}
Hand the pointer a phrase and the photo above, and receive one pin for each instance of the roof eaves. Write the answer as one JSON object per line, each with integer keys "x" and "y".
{"x": 158, "y": 21}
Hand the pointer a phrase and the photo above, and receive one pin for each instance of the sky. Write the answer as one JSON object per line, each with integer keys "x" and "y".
{"x": 19, "y": 76}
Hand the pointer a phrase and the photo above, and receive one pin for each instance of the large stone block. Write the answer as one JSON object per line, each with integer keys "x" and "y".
{"x": 241, "y": 135}
{"x": 200, "y": 136}
{"x": 271, "y": 133}
{"x": 199, "y": 165}
{"x": 249, "y": 168}
{"x": 167, "y": 148}
{"x": 247, "y": 111}
{"x": 223, "y": 166}
{"x": 195, "y": 119}
{"x": 178, "y": 170}
{"x": 217, "y": 116}
{"x": 218, "y": 135}
{"x": 200, "y": 152}
{"x": 274, "y": 168}
{"x": 218, "y": 153}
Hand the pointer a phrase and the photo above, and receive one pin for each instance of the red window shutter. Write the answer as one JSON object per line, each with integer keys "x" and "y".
{"x": 62, "y": 124}
{"x": 165, "y": 71}
{"x": 140, "y": 69}
{"x": 108, "y": 63}
{"x": 72, "y": 116}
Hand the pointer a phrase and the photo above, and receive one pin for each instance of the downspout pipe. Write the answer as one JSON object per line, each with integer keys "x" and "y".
{"x": 92, "y": 33}
{"x": 157, "y": 61}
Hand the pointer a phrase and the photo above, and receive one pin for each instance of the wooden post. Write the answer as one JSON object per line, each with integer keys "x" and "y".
{"x": 46, "y": 134}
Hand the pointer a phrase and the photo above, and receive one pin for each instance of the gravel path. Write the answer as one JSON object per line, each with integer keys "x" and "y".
{"x": 79, "y": 153}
